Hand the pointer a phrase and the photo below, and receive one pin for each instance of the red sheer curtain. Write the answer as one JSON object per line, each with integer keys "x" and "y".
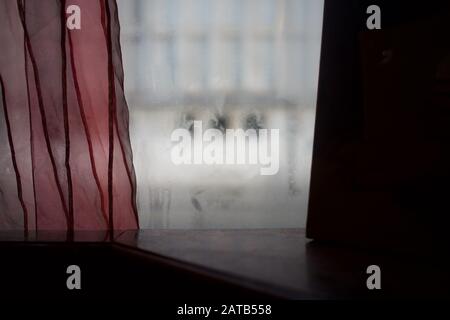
{"x": 65, "y": 153}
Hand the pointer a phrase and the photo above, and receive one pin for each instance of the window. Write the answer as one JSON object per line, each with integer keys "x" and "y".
{"x": 231, "y": 64}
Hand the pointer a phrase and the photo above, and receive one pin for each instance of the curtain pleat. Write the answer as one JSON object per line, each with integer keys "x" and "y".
{"x": 65, "y": 152}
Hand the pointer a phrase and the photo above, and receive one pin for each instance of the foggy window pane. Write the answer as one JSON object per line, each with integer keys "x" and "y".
{"x": 231, "y": 64}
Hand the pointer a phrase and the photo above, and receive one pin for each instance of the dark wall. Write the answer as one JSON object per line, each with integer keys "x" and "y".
{"x": 381, "y": 151}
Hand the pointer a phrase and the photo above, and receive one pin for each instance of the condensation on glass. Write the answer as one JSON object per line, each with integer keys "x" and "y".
{"x": 231, "y": 64}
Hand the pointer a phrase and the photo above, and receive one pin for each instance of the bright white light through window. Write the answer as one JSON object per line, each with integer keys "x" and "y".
{"x": 231, "y": 64}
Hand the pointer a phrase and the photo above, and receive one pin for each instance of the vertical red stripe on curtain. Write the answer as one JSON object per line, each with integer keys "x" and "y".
{"x": 65, "y": 152}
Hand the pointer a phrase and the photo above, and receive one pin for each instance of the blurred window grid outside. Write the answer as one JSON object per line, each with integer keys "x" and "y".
{"x": 231, "y": 64}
